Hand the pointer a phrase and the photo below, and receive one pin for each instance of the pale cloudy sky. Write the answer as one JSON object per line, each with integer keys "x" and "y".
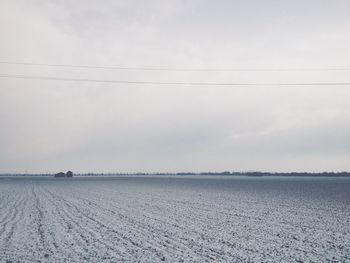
{"x": 49, "y": 126}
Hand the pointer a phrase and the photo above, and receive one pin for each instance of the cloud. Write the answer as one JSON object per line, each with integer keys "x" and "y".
{"x": 102, "y": 127}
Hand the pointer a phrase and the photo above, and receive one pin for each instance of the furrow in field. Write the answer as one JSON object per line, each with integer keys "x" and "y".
{"x": 15, "y": 229}
{"x": 159, "y": 234}
{"x": 88, "y": 238}
{"x": 119, "y": 230}
{"x": 133, "y": 228}
{"x": 100, "y": 220}
{"x": 266, "y": 225}
{"x": 8, "y": 221}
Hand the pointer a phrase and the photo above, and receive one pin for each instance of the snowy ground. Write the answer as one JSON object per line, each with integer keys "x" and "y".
{"x": 174, "y": 219}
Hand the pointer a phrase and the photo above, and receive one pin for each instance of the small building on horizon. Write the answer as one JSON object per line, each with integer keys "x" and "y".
{"x": 62, "y": 174}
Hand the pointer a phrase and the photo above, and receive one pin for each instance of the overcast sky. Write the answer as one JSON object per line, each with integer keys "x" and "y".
{"x": 49, "y": 126}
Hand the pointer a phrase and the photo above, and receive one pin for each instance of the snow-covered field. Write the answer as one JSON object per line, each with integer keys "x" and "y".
{"x": 202, "y": 219}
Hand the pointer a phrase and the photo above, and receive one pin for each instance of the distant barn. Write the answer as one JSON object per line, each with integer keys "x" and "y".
{"x": 61, "y": 174}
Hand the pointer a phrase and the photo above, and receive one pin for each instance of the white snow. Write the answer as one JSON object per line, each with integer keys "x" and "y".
{"x": 117, "y": 219}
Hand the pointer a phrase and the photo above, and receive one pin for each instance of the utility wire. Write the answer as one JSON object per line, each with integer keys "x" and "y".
{"x": 174, "y": 69}
{"x": 15, "y": 76}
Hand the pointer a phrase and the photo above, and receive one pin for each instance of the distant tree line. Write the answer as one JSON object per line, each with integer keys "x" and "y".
{"x": 225, "y": 173}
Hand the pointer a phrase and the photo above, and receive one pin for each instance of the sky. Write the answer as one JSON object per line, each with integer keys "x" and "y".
{"x": 50, "y": 126}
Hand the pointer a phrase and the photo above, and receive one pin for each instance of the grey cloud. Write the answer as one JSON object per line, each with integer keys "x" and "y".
{"x": 48, "y": 125}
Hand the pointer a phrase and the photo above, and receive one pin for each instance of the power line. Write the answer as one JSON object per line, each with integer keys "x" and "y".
{"x": 173, "y": 69}
{"x": 15, "y": 76}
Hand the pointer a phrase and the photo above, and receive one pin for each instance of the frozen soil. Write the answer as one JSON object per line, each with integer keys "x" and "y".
{"x": 174, "y": 220}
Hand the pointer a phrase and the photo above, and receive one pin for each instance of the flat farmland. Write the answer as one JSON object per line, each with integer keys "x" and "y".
{"x": 174, "y": 219}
